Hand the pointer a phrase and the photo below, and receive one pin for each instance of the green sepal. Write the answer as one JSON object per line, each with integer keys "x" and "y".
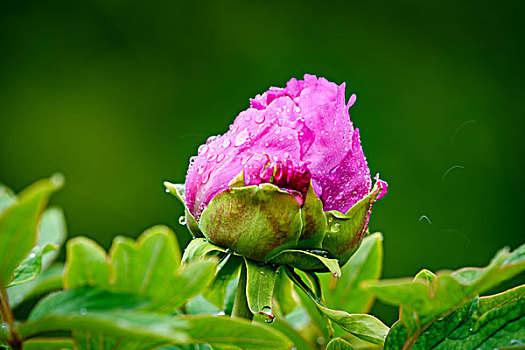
{"x": 199, "y": 248}
{"x": 254, "y": 221}
{"x": 178, "y": 190}
{"x": 346, "y": 231}
{"x": 307, "y": 261}
{"x": 314, "y": 222}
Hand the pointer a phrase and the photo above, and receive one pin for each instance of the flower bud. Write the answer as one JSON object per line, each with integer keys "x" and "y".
{"x": 289, "y": 175}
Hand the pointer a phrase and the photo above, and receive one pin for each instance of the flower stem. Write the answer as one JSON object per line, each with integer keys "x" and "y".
{"x": 240, "y": 305}
{"x": 7, "y": 316}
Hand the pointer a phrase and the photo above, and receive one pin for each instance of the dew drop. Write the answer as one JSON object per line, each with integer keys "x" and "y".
{"x": 202, "y": 149}
{"x": 32, "y": 255}
{"x": 205, "y": 178}
{"x": 220, "y": 157}
{"x": 211, "y": 157}
{"x": 201, "y": 169}
{"x": 335, "y": 227}
{"x": 83, "y": 312}
{"x": 241, "y": 138}
{"x": 182, "y": 220}
{"x": 210, "y": 139}
{"x": 167, "y": 190}
{"x": 226, "y": 143}
{"x": 259, "y": 118}
{"x": 248, "y": 117}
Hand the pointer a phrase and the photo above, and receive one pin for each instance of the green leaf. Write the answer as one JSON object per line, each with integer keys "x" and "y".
{"x": 18, "y": 224}
{"x": 185, "y": 283}
{"x": 283, "y": 294}
{"x": 86, "y": 264}
{"x": 429, "y": 297}
{"x": 492, "y": 322}
{"x": 296, "y": 338}
{"x": 344, "y": 293}
{"x": 363, "y": 326}
{"x": 339, "y": 344}
{"x": 119, "y": 315}
{"x": 227, "y": 270}
{"x": 230, "y": 331}
{"x": 96, "y": 310}
{"x": 259, "y": 288}
{"x": 52, "y": 229}
{"x": 47, "y": 281}
{"x": 308, "y": 261}
{"x": 146, "y": 267}
{"x": 49, "y": 344}
{"x": 29, "y": 269}
{"x": 7, "y": 197}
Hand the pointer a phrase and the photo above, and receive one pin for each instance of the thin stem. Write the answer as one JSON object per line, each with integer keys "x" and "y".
{"x": 240, "y": 305}
{"x": 7, "y": 315}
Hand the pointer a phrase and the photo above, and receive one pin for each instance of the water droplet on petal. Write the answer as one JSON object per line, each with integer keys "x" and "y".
{"x": 205, "y": 178}
{"x": 259, "y": 118}
{"x": 201, "y": 169}
{"x": 211, "y": 157}
{"x": 241, "y": 138}
{"x": 220, "y": 157}
{"x": 202, "y": 149}
{"x": 226, "y": 143}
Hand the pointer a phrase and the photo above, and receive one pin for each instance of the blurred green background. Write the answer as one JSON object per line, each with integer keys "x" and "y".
{"x": 117, "y": 95}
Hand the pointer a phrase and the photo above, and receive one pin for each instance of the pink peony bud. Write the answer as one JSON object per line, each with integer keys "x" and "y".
{"x": 298, "y": 139}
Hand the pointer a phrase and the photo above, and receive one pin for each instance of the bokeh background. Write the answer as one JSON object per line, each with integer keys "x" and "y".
{"x": 117, "y": 95}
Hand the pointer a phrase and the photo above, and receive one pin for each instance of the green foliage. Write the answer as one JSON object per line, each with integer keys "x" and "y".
{"x": 343, "y": 293}
{"x": 429, "y": 297}
{"x": 19, "y": 220}
{"x": 47, "y": 281}
{"x": 339, "y": 344}
{"x": 363, "y": 326}
{"x": 483, "y": 323}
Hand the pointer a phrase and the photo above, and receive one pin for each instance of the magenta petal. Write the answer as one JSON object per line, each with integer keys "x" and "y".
{"x": 287, "y": 136}
{"x": 349, "y": 181}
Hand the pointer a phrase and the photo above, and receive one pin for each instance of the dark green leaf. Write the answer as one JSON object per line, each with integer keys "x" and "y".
{"x": 429, "y": 297}
{"x": 296, "y": 338}
{"x": 486, "y": 323}
{"x": 339, "y": 344}
{"x": 344, "y": 293}
{"x": 18, "y": 224}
